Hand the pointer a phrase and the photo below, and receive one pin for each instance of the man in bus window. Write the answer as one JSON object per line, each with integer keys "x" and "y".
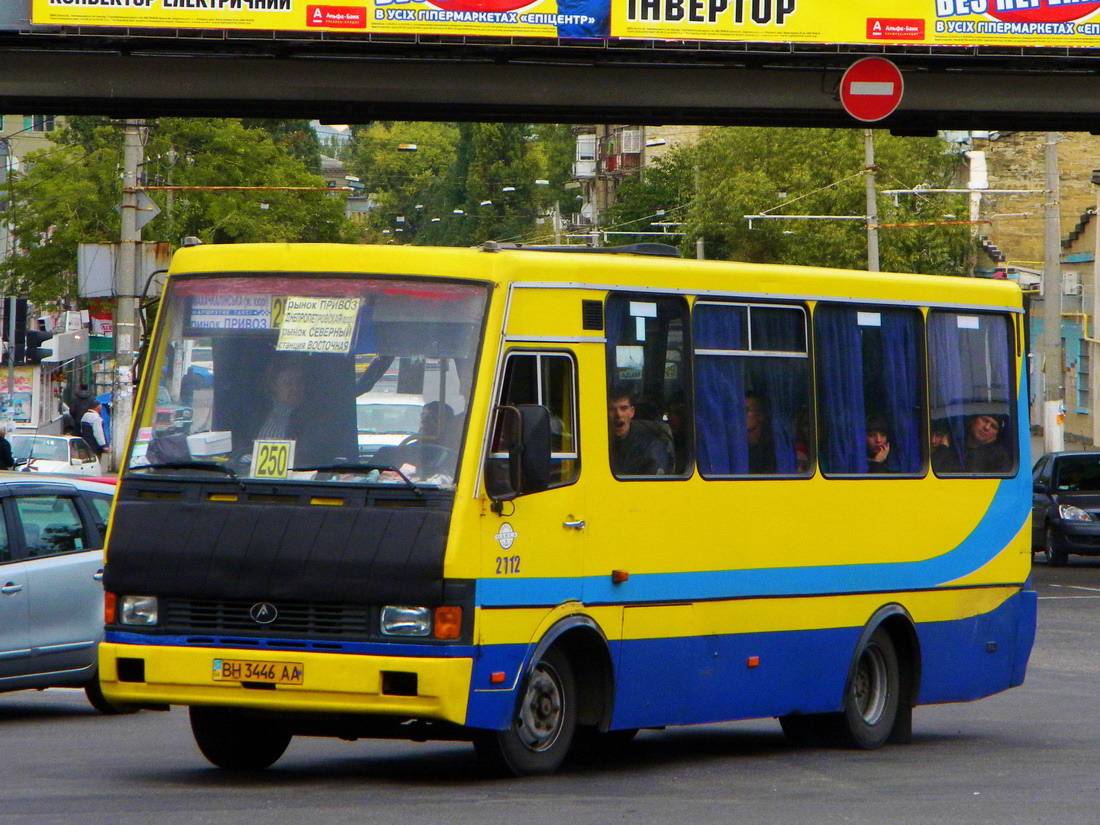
{"x": 638, "y": 448}
{"x": 983, "y": 453}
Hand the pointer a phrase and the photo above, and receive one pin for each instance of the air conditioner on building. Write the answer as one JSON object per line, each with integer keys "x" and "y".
{"x": 1071, "y": 283}
{"x": 631, "y": 141}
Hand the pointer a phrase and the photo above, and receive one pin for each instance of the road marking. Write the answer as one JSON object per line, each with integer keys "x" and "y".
{"x": 1069, "y": 598}
{"x": 1078, "y": 587}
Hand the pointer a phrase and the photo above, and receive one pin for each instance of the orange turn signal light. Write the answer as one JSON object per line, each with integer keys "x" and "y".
{"x": 109, "y": 602}
{"x": 753, "y": 661}
{"x": 619, "y": 576}
{"x": 497, "y": 678}
{"x": 448, "y": 622}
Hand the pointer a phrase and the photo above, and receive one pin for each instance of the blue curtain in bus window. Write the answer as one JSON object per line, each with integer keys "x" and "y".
{"x": 1000, "y": 371}
{"x": 365, "y": 340}
{"x": 901, "y": 380}
{"x": 721, "y": 438}
{"x": 782, "y": 381}
{"x": 949, "y": 367}
{"x": 840, "y": 390}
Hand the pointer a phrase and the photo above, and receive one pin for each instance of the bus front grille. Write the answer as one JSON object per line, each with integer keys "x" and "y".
{"x": 298, "y": 619}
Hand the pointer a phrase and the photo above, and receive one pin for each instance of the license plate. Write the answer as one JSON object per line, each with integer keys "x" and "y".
{"x": 248, "y": 670}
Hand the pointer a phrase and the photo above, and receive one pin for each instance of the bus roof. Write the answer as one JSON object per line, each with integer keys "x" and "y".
{"x": 554, "y": 269}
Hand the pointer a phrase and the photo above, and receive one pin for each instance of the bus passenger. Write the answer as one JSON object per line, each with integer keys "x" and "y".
{"x": 638, "y": 448}
{"x": 879, "y": 459}
{"x": 944, "y": 457}
{"x": 761, "y": 445}
{"x": 982, "y": 453}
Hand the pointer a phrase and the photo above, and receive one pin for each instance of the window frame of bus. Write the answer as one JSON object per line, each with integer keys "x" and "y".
{"x": 685, "y": 378}
{"x": 500, "y": 407}
{"x": 807, "y": 355}
{"x": 922, "y": 389}
{"x": 1013, "y": 388}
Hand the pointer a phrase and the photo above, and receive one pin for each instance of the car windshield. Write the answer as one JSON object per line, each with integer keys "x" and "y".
{"x": 39, "y": 447}
{"x": 304, "y": 371}
{"x": 1078, "y": 473}
{"x": 388, "y": 419}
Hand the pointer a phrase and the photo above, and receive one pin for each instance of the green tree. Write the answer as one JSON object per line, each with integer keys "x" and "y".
{"x": 69, "y": 194}
{"x": 403, "y": 182}
{"x": 747, "y": 171}
{"x": 295, "y": 136}
{"x": 662, "y": 194}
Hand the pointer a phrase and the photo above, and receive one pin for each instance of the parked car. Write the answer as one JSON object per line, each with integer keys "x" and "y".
{"x": 63, "y": 454}
{"x": 386, "y": 420}
{"x": 51, "y": 599}
{"x": 1065, "y": 516}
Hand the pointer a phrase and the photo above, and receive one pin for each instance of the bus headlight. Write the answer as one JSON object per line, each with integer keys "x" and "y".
{"x": 1070, "y": 513}
{"x": 137, "y": 610}
{"x": 406, "y": 621}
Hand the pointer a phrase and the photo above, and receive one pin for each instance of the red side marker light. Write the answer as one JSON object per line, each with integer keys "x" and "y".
{"x": 497, "y": 678}
{"x": 619, "y": 576}
{"x": 753, "y": 661}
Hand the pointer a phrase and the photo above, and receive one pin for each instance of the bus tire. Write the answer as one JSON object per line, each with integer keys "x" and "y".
{"x": 872, "y": 696}
{"x": 541, "y": 732}
{"x": 232, "y": 740}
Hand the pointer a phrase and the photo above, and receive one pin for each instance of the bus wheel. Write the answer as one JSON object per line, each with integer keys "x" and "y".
{"x": 232, "y": 740}
{"x": 542, "y": 731}
{"x": 100, "y": 702}
{"x": 871, "y": 700}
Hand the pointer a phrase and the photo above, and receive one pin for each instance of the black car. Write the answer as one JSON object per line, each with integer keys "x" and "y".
{"x": 1066, "y": 506}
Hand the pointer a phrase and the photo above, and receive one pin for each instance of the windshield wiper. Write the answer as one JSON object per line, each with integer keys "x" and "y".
{"x": 192, "y": 465}
{"x": 358, "y": 467}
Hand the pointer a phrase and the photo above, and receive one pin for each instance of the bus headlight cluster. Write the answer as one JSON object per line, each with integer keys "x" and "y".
{"x": 1070, "y": 513}
{"x": 137, "y": 610}
{"x": 440, "y": 622}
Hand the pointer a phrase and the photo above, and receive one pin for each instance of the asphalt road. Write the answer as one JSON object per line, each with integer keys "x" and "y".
{"x": 1031, "y": 755}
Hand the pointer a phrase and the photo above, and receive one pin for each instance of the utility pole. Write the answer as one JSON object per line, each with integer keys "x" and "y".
{"x": 1053, "y": 372}
{"x": 872, "y": 200}
{"x": 126, "y": 300}
{"x": 1093, "y": 341}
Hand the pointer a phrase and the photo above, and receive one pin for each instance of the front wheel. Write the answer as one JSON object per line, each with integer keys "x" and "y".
{"x": 1056, "y": 554}
{"x": 233, "y": 740}
{"x": 101, "y": 703}
{"x": 541, "y": 733}
{"x": 871, "y": 698}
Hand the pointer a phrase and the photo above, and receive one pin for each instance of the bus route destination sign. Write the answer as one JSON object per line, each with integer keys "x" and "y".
{"x": 1026, "y": 23}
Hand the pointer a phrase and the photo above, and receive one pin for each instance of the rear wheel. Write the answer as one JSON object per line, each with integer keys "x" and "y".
{"x": 1055, "y": 552}
{"x": 871, "y": 699}
{"x": 234, "y": 740}
{"x": 541, "y": 733}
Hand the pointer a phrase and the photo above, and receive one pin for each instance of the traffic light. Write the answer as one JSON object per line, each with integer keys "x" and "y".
{"x": 35, "y": 352}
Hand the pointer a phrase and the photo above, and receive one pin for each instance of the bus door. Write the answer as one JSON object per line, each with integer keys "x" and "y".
{"x": 533, "y": 542}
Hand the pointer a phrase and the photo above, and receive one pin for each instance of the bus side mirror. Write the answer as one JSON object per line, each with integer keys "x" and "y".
{"x": 520, "y": 459}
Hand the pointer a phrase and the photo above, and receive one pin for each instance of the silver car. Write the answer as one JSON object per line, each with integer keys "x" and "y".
{"x": 51, "y": 596}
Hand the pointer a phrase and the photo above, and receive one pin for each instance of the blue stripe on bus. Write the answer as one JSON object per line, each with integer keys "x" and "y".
{"x": 998, "y": 527}
{"x": 697, "y": 679}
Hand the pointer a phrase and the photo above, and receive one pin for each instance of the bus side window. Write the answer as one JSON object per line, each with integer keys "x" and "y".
{"x": 752, "y": 390}
{"x": 648, "y": 380}
{"x": 972, "y": 391}
{"x": 870, "y": 391}
{"x": 547, "y": 379}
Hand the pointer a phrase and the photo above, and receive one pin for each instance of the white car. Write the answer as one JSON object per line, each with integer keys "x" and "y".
{"x": 63, "y": 454}
{"x": 386, "y": 419}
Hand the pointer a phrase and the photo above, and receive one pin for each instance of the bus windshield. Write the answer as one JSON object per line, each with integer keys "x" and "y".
{"x": 304, "y": 378}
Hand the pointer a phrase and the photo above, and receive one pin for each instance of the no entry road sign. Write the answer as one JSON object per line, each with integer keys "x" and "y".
{"x": 871, "y": 89}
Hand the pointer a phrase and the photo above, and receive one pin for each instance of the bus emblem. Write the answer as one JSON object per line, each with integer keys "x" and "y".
{"x": 263, "y": 613}
{"x": 506, "y": 536}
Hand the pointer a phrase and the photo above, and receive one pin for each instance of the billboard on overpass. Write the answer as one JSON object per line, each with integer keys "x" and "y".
{"x": 1035, "y": 23}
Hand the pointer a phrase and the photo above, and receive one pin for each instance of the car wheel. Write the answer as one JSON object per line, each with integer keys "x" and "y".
{"x": 541, "y": 733}
{"x": 233, "y": 740}
{"x": 1055, "y": 552}
{"x": 101, "y": 703}
{"x": 871, "y": 697}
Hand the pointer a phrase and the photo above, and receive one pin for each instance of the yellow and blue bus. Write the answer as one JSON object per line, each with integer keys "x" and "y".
{"x": 634, "y": 492}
